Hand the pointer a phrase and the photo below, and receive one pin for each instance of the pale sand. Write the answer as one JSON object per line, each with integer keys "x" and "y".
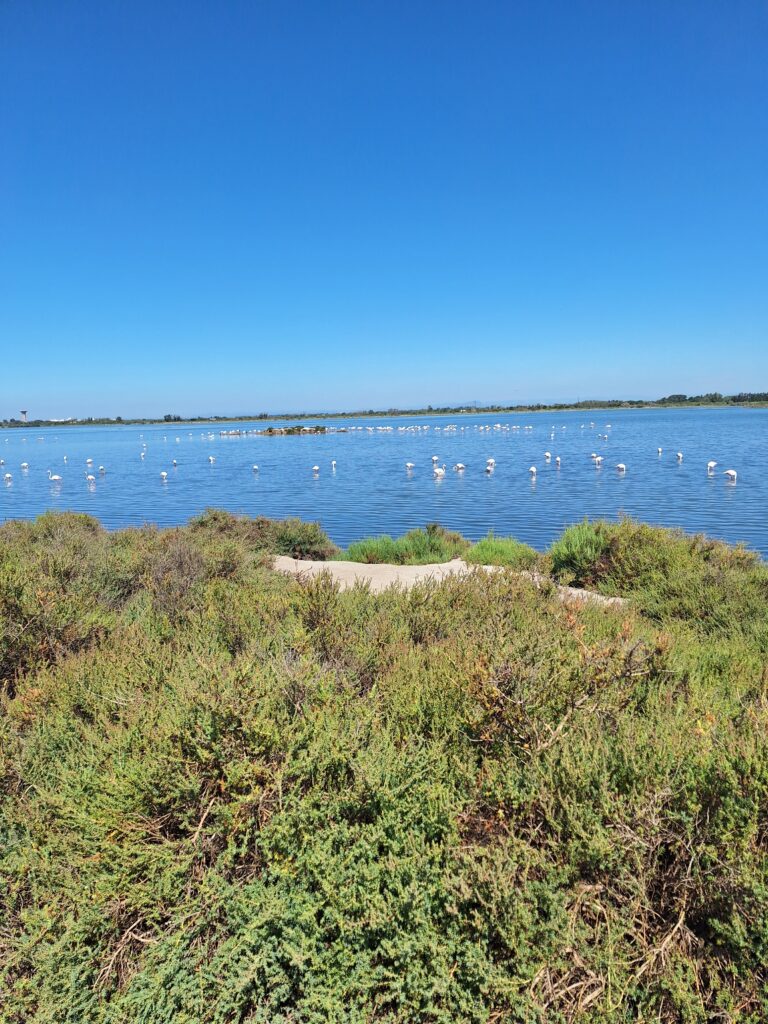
{"x": 379, "y": 577}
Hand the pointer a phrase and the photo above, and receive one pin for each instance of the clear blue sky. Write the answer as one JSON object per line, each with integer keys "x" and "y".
{"x": 244, "y": 206}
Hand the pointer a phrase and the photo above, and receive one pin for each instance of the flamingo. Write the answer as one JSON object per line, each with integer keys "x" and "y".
{"x": 315, "y": 469}
{"x": 174, "y": 463}
{"x": 598, "y": 460}
{"x": 679, "y": 456}
{"x": 459, "y": 467}
{"x": 659, "y": 450}
{"x": 490, "y": 462}
{"x": 163, "y": 475}
{"x": 54, "y": 477}
{"x": 621, "y": 467}
{"x": 65, "y": 458}
{"x": 434, "y": 458}
{"x": 90, "y": 477}
{"x": 102, "y": 470}
{"x": 439, "y": 470}
{"x": 557, "y": 461}
{"x": 211, "y": 459}
{"x": 409, "y": 466}
{"x": 333, "y": 463}
{"x": 24, "y": 466}
{"x": 7, "y": 478}
{"x": 142, "y": 455}
{"x": 89, "y": 462}
{"x": 547, "y": 456}
{"x": 255, "y": 468}
{"x": 532, "y": 471}
{"x": 731, "y": 474}
{"x": 711, "y": 465}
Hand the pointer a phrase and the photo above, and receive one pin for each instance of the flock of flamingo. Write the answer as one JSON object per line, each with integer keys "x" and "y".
{"x": 438, "y": 470}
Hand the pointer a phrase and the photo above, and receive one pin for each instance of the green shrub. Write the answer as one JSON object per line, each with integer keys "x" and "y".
{"x": 576, "y": 555}
{"x": 504, "y": 551}
{"x": 417, "y": 547}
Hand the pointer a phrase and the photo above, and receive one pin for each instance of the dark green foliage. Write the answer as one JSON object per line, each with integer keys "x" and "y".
{"x": 229, "y": 796}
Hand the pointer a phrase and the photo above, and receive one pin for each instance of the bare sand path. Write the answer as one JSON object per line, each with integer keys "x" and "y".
{"x": 379, "y": 577}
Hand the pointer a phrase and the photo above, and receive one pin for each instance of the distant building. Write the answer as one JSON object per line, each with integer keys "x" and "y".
{"x": 23, "y": 415}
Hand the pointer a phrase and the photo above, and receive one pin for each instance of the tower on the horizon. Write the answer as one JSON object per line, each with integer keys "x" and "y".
{"x": 23, "y": 415}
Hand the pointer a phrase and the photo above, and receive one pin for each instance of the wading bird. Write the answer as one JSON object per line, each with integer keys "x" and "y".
{"x": 532, "y": 470}
{"x": 711, "y": 465}
{"x": 54, "y": 477}
{"x": 439, "y": 470}
{"x": 731, "y": 474}
{"x": 621, "y": 467}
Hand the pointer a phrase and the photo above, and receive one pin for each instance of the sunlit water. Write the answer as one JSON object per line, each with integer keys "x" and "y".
{"x": 370, "y": 491}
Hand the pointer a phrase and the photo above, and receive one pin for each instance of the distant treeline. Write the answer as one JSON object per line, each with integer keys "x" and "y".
{"x": 713, "y": 398}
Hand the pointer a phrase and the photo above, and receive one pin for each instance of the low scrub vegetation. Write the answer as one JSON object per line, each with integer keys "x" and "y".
{"x": 228, "y": 795}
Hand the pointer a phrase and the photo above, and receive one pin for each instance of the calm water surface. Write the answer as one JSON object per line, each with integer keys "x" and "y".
{"x": 370, "y": 491}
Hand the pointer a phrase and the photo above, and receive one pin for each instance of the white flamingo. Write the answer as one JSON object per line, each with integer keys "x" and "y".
{"x": 409, "y": 466}
{"x": 7, "y": 478}
{"x": 439, "y": 470}
{"x": 163, "y": 475}
{"x": 557, "y": 461}
{"x": 255, "y": 468}
{"x": 24, "y": 466}
{"x": 731, "y": 474}
{"x": 89, "y": 462}
{"x": 54, "y": 477}
{"x": 490, "y": 462}
{"x": 547, "y": 456}
{"x": 141, "y": 455}
{"x": 459, "y": 467}
{"x": 711, "y": 465}
{"x": 679, "y": 456}
{"x": 532, "y": 471}
{"x": 621, "y": 467}
{"x": 315, "y": 470}
{"x": 435, "y": 459}
{"x": 90, "y": 478}
{"x": 659, "y": 450}
{"x": 211, "y": 459}
{"x": 102, "y": 470}
{"x": 598, "y": 460}
{"x": 333, "y": 463}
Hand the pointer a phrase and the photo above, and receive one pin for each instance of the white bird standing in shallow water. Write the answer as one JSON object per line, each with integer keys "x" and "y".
{"x": 90, "y": 478}
{"x": 24, "y": 466}
{"x": 659, "y": 450}
{"x": 679, "y": 456}
{"x": 557, "y": 461}
{"x": 333, "y": 465}
{"x": 211, "y": 459}
{"x": 255, "y": 468}
{"x": 547, "y": 456}
{"x": 459, "y": 467}
{"x": 731, "y": 474}
{"x": 409, "y": 466}
{"x": 439, "y": 470}
{"x": 711, "y": 465}
{"x": 7, "y": 478}
{"x": 163, "y": 476}
{"x": 315, "y": 469}
{"x": 54, "y": 477}
{"x": 532, "y": 471}
{"x": 621, "y": 467}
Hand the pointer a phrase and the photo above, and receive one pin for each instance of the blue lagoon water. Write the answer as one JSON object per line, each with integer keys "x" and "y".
{"x": 370, "y": 491}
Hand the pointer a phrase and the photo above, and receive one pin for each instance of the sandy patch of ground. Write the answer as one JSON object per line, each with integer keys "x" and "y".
{"x": 379, "y": 577}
